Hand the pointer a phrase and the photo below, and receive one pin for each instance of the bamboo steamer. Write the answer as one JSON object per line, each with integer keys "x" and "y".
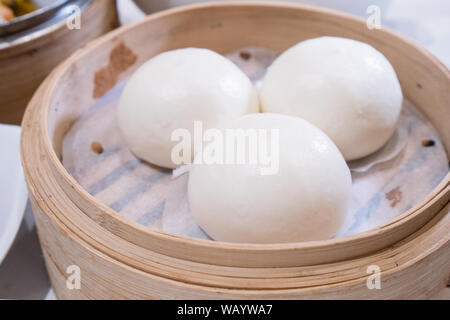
{"x": 28, "y": 57}
{"x": 120, "y": 259}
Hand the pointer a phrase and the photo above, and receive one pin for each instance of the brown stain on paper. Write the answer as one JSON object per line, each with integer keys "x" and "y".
{"x": 96, "y": 147}
{"x": 395, "y": 196}
{"x": 120, "y": 59}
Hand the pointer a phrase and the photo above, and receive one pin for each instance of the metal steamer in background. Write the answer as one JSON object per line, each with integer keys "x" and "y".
{"x": 33, "y": 44}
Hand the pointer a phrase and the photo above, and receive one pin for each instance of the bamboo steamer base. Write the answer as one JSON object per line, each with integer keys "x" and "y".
{"x": 423, "y": 275}
{"x": 120, "y": 259}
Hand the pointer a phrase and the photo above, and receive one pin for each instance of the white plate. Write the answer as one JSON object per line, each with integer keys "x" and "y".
{"x": 13, "y": 191}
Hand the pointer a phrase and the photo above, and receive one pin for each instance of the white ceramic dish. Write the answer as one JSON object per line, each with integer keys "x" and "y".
{"x": 13, "y": 191}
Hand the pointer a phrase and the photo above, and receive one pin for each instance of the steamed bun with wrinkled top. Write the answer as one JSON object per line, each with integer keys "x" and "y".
{"x": 345, "y": 87}
{"x": 174, "y": 89}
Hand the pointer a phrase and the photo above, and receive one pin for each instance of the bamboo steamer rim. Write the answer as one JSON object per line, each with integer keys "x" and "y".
{"x": 425, "y": 248}
{"x": 441, "y": 190}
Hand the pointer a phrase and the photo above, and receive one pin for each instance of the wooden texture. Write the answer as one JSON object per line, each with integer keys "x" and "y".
{"x": 121, "y": 259}
{"x": 25, "y": 64}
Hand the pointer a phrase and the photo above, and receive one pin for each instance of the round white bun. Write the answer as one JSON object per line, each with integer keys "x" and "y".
{"x": 345, "y": 87}
{"x": 174, "y": 89}
{"x": 305, "y": 199}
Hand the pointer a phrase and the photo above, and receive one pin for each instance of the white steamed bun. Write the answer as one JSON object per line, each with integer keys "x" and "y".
{"x": 345, "y": 87}
{"x": 171, "y": 91}
{"x": 306, "y": 199}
